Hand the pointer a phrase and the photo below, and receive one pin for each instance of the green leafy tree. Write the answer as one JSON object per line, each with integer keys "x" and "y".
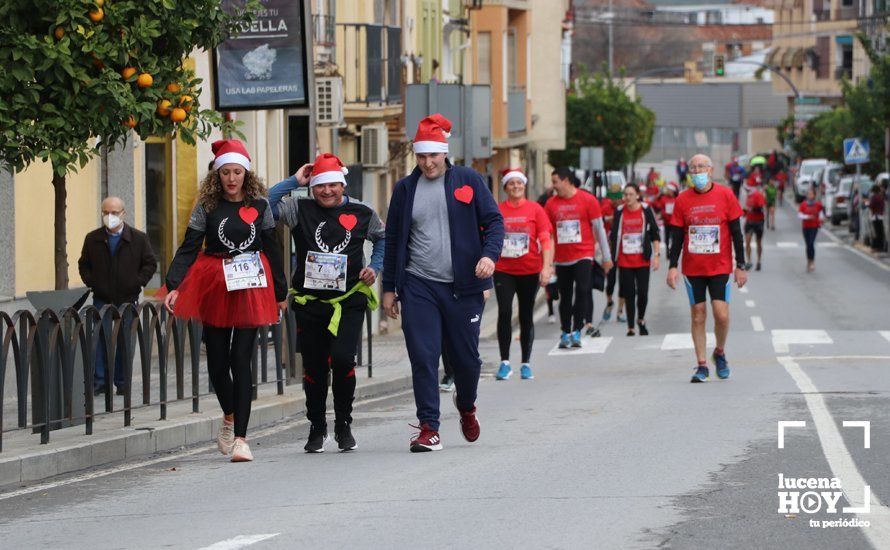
{"x": 869, "y": 104}
{"x": 823, "y": 136}
{"x": 80, "y": 72}
{"x": 600, "y": 114}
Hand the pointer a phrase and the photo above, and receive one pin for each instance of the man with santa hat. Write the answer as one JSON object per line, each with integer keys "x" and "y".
{"x": 331, "y": 286}
{"x": 444, "y": 233}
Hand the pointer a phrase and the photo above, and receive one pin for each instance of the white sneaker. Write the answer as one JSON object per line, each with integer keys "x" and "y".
{"x": 551, "y": 319}
{"x": 225, "y": 439}
{"x": 241, "y": 453}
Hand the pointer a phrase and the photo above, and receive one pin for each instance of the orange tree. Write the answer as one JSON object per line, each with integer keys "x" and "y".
{"x": 80, "y": 72}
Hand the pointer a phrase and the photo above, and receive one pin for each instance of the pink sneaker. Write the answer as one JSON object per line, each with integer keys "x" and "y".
{"x": 225, "y": 439}
{"x": 241, "y": 452}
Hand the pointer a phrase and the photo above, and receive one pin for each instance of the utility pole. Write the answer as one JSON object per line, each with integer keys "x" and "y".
{"x": 611, "y": 17}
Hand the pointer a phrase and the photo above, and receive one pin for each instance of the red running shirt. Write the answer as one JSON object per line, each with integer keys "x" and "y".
{"x": 812, "y": 211}
{"x": 666, "y": 207}
{"x": 607, "y": 211}
{"x": 754, "y": 206}
{"x": 524, "y": 226}
{"x": 571, "y": 219}
{"x": 707, "y": 240}
{"x": 632, "y": 235}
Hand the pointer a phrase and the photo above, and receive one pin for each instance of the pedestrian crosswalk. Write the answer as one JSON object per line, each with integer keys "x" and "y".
{"x": 588, "y": 345}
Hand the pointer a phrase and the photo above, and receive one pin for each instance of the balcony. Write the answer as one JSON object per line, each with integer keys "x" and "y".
{"x": 369, "y": 59}
{"x": 516, "y": 109}
{"x": 323, "y": 38}
{"x": 843, "y": 72}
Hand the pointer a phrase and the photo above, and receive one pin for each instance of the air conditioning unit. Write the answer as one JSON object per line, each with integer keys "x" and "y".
{"x": 329, "y": 100}
{"x": 375, "y": 145}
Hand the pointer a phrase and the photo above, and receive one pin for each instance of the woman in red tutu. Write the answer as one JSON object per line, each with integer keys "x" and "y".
{"x": 235, "y": 285}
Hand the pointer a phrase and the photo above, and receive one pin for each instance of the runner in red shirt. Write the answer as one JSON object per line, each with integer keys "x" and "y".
{"x": 526, "y": 263}
{"x": 755, "y": 214}
{"x": 635, "y": 242}
{"x": 614, "y": 200}
{"x": 811, "y": 212}
{"x": 576, "y": 217}
{"x": 705, "y": 220}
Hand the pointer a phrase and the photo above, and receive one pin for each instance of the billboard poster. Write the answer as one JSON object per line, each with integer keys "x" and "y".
{"x": 264, "y": 66}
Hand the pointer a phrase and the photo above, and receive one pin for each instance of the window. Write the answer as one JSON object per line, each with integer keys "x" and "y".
{"x": 483, "y": 58}
{"x": 511, "y": 58}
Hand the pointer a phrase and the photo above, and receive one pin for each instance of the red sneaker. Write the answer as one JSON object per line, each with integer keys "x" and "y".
{"x": 427, "y": 440}
{"x": 469, "y": 425}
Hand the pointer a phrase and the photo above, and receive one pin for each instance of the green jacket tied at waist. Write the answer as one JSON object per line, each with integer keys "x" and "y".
{"x": 334, "y": 324}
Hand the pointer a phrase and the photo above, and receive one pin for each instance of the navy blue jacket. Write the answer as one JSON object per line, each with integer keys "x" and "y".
{"x": 477, "y": 230}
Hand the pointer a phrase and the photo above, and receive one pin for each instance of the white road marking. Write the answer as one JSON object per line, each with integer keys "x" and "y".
{"x": 239, "y": 542}
{"x": 885, "y": 334}
{"x": 842, "y": 358}
{"x": 782, "y": 339}
{"x": 287, "y": 425}
{"x": 750, "y": 303}
{"x": 588, "y": 345}
{"x": 787, "y": 244}
{"x": 839, "y": 459}
{"x": 744, "y": 289}
{"x": 757, "y": 323}
{"x": 859, "y": 253}
{"x": 683, "y": 340}
{"x": 827, "y": 245}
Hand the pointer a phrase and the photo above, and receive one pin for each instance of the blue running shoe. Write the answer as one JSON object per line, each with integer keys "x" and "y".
{"x": 526, "y": 372}
{"x": 565, "y": 341}
{"x": 504, "y": 371}
{"x": 721, "y": 365}
{"x": 607, "y": 313}
{"x": 576, "y": 339}
{"x": 621, "y": 318}
{"x": 700, "y": 375}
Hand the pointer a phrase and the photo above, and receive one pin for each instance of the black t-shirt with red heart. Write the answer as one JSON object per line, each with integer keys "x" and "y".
{"x": 234, "y": 226}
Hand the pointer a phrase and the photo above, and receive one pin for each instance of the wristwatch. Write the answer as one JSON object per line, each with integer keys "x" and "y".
{"x": 740, "y": 265}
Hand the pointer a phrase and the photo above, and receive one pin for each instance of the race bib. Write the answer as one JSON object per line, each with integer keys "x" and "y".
{"x": 244, "y": 271}
{"x": 325, "y": 271}
{"x": 568, "y": 231}
{"x": 515, "y": 245}
{"x": 632, "y": 243}
{"x": 704, "y": 239}
{"x": 669, "y": 208}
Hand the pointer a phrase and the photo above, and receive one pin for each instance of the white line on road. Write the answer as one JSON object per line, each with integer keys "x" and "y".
{"x": 859, "y": 253}
{"x": 287, "y": 425}
{"x": 782, "y": 339}
{"x": 588, "y": 345}
{"x": 750, "y": 303}
{"x": 885, "y": 334}
{"x": 827, "y": 245}
{"x": 683, "y": 340}
{"x": 839, "y": 459}
{"x": 787, "y": 244}
{"x": 239, "y": 542}
{"x": 757, "y": 323}
{"x": 842, "y": 357}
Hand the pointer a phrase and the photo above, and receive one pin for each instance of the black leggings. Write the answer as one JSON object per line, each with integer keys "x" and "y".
{"x": 228, "y": 361}
{"x": 809, "y": 237}
{"x": 611, "y": 279}
{"x": 574, "y": 280}
{"x": 635, "y": 289}
{"x": 525, "y": 287}
{"x": 323, "y": 352}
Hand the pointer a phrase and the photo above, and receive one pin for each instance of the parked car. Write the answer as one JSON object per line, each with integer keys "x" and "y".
{"x": 835, "y": 202}
{"x": 806, "y": 175}
{"x": 827, "y": 180}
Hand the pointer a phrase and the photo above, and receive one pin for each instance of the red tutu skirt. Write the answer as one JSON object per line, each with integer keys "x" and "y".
{"x": 203, "y": 297}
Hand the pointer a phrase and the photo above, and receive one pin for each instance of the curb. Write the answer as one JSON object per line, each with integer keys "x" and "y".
{"x": 160, "y": 436}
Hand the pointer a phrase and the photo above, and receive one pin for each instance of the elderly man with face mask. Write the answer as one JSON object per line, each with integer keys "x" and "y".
{"x": 331, "y": 287}
{"x": 444, "y": 233}
{"x": 116, "y": 262}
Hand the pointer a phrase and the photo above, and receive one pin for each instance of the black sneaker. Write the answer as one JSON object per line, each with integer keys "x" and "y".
{"x": 758, "y": 267}
{"x": 343, "y": 437}
{"x": 643, "y": 330}
{"x": 318, "y": 436}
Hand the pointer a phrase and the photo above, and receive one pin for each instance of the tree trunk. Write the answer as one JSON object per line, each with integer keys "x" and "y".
{"x": 60, "y": 242}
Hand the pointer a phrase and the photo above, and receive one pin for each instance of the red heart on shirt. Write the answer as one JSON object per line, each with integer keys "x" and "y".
{"x": 348, "y": 221}
{"x": 464, "y": 194}
{"x": 248, "y": 214}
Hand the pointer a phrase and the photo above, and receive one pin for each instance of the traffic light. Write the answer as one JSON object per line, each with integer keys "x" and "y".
{"x": 719, "y": 65}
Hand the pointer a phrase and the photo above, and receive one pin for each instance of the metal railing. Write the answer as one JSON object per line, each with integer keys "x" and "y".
{"x": 372, "y": 71}
{"x": 49, "y": 347}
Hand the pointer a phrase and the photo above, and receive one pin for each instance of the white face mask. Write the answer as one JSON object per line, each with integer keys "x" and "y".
{"x": 111, "y": 221}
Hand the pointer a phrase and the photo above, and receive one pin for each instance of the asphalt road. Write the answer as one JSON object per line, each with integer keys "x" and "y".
{"x": 609, "y": 447}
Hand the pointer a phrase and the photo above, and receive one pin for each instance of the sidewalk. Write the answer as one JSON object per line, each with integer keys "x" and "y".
{"x": 24, "y": 459}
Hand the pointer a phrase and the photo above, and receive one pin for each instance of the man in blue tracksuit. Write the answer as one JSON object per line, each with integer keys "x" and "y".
{"x": 444, "y": 233}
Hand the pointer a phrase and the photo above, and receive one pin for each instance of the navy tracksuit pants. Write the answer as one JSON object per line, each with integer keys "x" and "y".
{"x": 432, "y": 317}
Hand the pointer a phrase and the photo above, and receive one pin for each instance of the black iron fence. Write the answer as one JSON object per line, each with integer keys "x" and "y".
{"x": 54, "y": 355}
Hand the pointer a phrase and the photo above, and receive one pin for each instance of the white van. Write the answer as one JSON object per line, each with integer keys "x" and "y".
{"x": 805, "y": 176}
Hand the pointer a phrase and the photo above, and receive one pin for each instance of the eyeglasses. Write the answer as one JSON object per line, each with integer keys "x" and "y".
{"x": 112, "y": 212}
{"x": 699, "y": 167}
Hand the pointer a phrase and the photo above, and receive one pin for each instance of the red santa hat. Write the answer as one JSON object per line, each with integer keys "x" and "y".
{"x": 512, "y": 173}
{"x": 673, "y": 187}
{"x": 327, "y": 169}
{"x": 432, "y": 134}
{"x": 230, "y": 151}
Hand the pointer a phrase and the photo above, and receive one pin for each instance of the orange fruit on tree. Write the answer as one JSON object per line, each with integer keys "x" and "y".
{"x": 164, "y": 107}
{"x": 173, "y": 88}
{"x": 177, "y": 115}
{"x": 97, "y": 14}
{"x": 59, "y": 33}
{"x": 127, "y": 72}
{"x": 130, "y": 122}
{"x": 99, "y": 3}
{"x": 186, "y": 102}
{"x": 144, "y": 81}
